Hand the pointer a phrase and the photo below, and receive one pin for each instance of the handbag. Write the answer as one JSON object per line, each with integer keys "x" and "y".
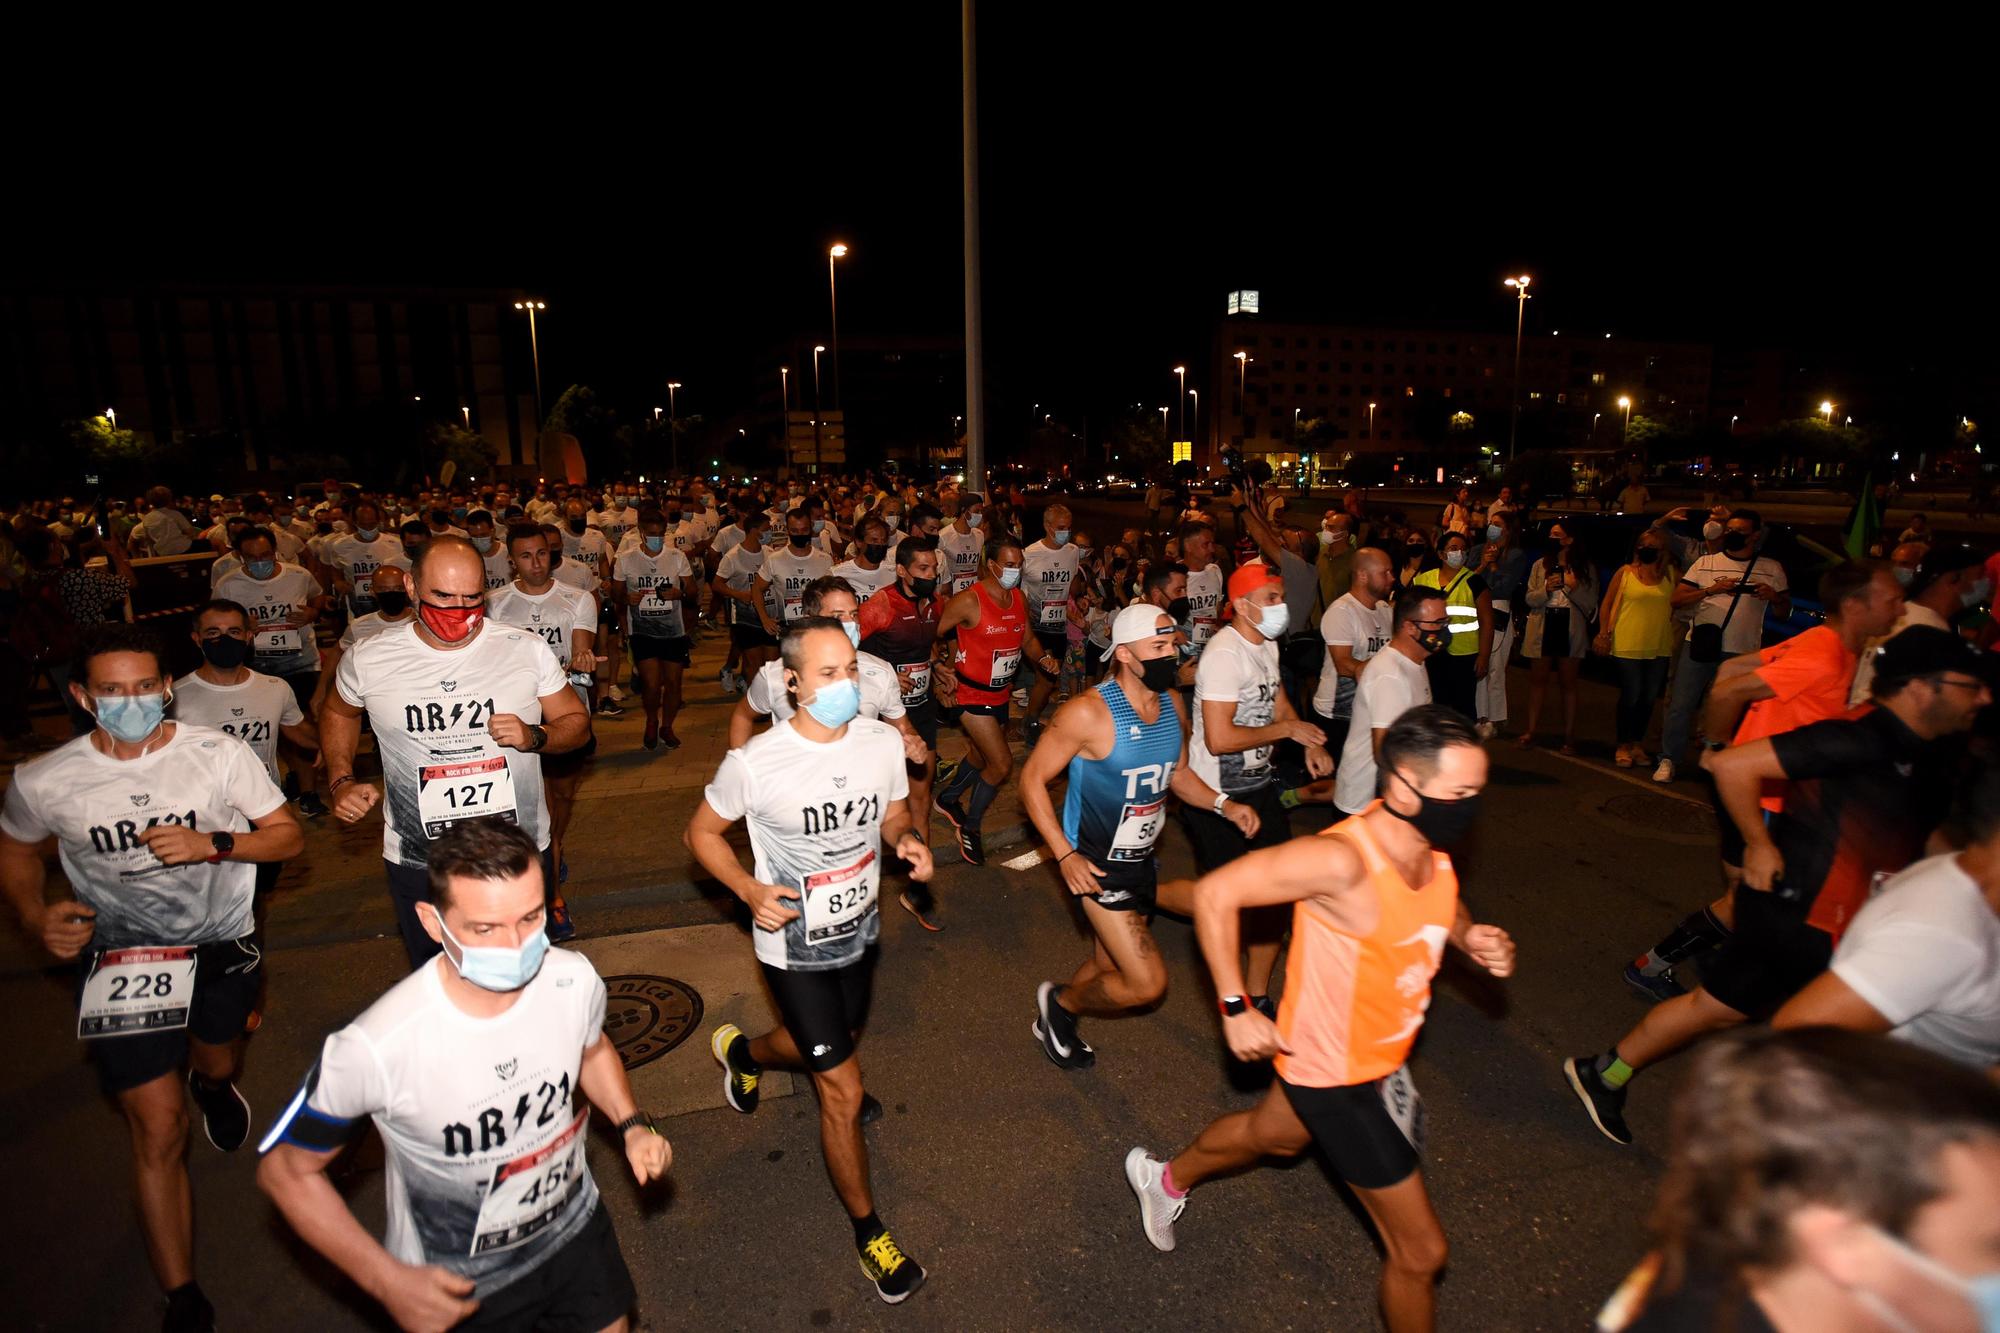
{"x": 1705, "y": 641}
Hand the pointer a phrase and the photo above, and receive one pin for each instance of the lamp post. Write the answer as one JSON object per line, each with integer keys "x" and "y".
{"x": 1163, "y": 421}
{"x": 1827, "y": 408}
{"x": 1732, "y": 424}
{"x": 1196, "y": 395}
{"x": 838, "y": 251}
{"x": 1180, "y": 399}
{"x": 673, "y": 427}
{"x": 111, "y": 415}
{"x": 1626, "y": 429}
{"x": 1371, "y": 421}
{"x": 467, "y": 413}
{"x": 817, "y": 459}
{"x": 535, "y": 350}
{"x": 1520, "y": 285}
{"x": 1592, "y": 438}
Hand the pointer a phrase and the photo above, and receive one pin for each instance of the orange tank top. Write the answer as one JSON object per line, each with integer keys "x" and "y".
{"x": 1353, "y": 1003}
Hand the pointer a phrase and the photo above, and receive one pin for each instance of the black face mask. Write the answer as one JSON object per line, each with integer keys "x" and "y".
{"x": 1432, "y": 640}
{"x": 801, "y": 541}
{"x": 1416, "y": 551}
{"x": 1736, "y": 543}
{"x": 410, "y": 549}
{"x": 1180, "y": 609}
{"x": 1157, "y": 673}
{"x": 1443, "y": 823}
{"x": 576, "y": 525}
{"x": 225, "y": 652}
{"x": 875, "y": 551}
{"x": 1649, "y": 555}
{"x": 673, "y": 516}
{"x": 922, "y": 588}
{"x": 322, "y": 527}
{"x": 392, "y": 604}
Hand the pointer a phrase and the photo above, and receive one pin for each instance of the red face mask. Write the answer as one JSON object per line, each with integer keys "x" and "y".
{"x": 453, "y": 624}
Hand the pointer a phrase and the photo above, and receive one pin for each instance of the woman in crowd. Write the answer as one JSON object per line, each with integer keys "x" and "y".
{"x": 1637, "y": 631}
{"x": 1561, "y": 597}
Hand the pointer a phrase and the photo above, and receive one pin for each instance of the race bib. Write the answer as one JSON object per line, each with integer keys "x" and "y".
{"x": 1201, "y": 631}
{"x": 659, "y": 619}
{"x": 1006, "y": 662}
{"x": 915, "y": 679}
{"x": 137, "y": 990}
{"x": 835, "y": 902}
{"x": 1052, "y": 615}
{"x": 278, "y": 642}
{"x": 528, "y": 1194}
{"x": 1139, "y": 828}
{"x": 447, "y": 793}
{"x": 794, "y": 606}
{"x": 1406, "y": 1108}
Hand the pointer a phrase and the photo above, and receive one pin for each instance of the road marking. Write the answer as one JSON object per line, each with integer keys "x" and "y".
{"x": 1625, "y": 776}
{"x": 1027, "y": 860}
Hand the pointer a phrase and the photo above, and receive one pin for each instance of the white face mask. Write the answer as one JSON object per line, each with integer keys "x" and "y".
{"x": 1981, "y": 1294}
{"x": 1454, "y": 558}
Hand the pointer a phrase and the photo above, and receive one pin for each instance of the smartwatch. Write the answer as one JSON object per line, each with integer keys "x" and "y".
{"x": 1221, "y": 799}
{"x": 1232, "y": 1005}
{"x": 224, "y": 844}
{"x": 538, "y": 736}
{"x": 637, "y": 1120}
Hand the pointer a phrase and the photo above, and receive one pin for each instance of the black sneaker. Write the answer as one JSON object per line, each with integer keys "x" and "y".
{"x": 871, "y": 1109}
{"x": 1055, "y": 1029}
{"x": 225, "y": 1115}
{"x": 739, "y": 1085}
{"x": 920, "y": 903}
{"x": 1665, "y": 986}
{"x": 969, "y": 845}
{"x": 895, "y": 1274}
{"x": 1605, "y": 1105}
{"x": 609, "y": 708}
{"x": 188, "y": 1311}
{"x": 311, "y": 806}
{"x": 1266, "y": 1006}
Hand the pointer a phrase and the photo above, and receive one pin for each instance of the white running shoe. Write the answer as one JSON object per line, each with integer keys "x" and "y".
{"x": 1665, "y": 772}
{"x": 1158, "y": 1210}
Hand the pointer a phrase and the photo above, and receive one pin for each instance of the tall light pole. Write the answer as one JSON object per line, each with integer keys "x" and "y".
{"x": 1732, "y": 424}
{"x": 837, "y": 251}
{"x": 1626, "y": 429}
{"x": 818, "y": 461}
{"x": 1371, "y": 421}
{"x": 1181, "y": 399}
{"x": 111, "y": 415}
{"x": 1196, "y": 395}
{"x": 1520, "y": 285}
{"x": 1827, "y": 408}
{"x": 673, "y": 427}
{"x": 468, "y": 415}
{"x": 535, "y": 350}
{"x": 1593, "y": 428}
{"x": 1242, "y": 391}
{"x": 1163, "y": 421}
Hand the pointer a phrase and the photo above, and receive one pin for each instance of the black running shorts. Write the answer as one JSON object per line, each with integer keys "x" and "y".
{"x": 1353, "y": 1128}
{"x": 823, "y": 1010}
{"x": 998, "y": 712}
{"x": 581, "y": 1288}
{"x": 924, "y": 717}
{"x": 750, "y": 636}
{"x": 646, "y": 648}
{"x": 226, "y": 980}
{"x": 1055, "y": 642}
{"x": 1770, "y": 956}
{"x": 1217, "y": 841}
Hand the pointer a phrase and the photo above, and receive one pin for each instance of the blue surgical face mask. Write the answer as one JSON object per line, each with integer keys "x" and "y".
{"x": 1273, "y": 620}
{"x": 484, "y": 545}
{"x": 1493, "y": 532}
{"x": 818, "y": 524}
{"x": 974, "y": 519}
{"x": 1454, "y": 557}
{"x": 261, "y": 569}
{"x": 1981, "y": 1293}
{"x": 853, "y": 628}
{"x": 1060, "y": 536}
{"x": 1010, "y": 578}
{"x": 654, "y": 544}
{"x": 836, "y": 703}
{"x": 130, "y": 717}
{"x": 368, "y": 534}
{"x": 497, "y": 969}
{"x": 459, "y": 512}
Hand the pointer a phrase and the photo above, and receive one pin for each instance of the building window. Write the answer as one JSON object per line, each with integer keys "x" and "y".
{"x": 1347, "y": 344}
{"x": 1279, "y": 364}
{"x": 1325, "y": 344}
{"x": 1534, "y": 395}
{"x": 1597, "y": 378}
{"x": 1346, "y": 412}
{"x": 1562, "y": 398}
{"x": 1447, "y": 391}
{"x": 1488, "y": 372}
{"x": 1346, "y": 367}
{"x": 1299, "y": 390}
{"x": 1347, "y": 391}
{"x": 1451, "y": 349}
{"x": 1409, "y": 391}
{"x": 1409, "y": 347}
{"x": 1325, "y": 366}
{"x": 1368, "y": 367}
{"x": 1367, "y": 344}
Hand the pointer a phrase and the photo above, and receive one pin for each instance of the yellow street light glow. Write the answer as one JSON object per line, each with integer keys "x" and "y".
{"x": 1521, "y": 282}
{"x": 1624, "y": 402}
{"x": 839, "y": 250}
{"x": 1826, "y": 407}
{"x": 819, "y": 349}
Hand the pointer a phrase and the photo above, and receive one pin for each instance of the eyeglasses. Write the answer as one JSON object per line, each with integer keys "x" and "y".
{"x": 1961, "y": 684}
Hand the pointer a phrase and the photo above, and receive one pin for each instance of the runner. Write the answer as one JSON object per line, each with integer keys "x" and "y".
{"x": 821, "y": 793}
{"x": 1374, "y": 901}
{"x": 750, "y": 644}
{"x": 961, "y": 545}
{"x": 1048, "y": 567}
{"x": 283, "y": 601}
{"x": 827, "y": 598}
{"x": 899, "y": 626}
{"x": 586, "y": 550}
{"x": 869, "y": 570}
{"x": 566, "y": 619}
{"x": 354, "y": 557}
{"x": 1392, "y": 682}
{"x": 499, "y": 567}
{"x": 786, "y": 572}
{"x": 1124, "y": 746}
{"x": 494, "y": 1218}
{"x": 1204, "y": 582}
{"x": 1356, "y": 626}
{"x": 991, "y": 632}
{"x": 461, "y": 711}
{"x": 651, "y": 583}
{"x": 389, "y": 589}
{"x": 159, "y": 824}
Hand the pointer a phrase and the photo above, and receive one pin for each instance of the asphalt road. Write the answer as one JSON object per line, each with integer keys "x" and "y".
{"x": 998, "y": 1171}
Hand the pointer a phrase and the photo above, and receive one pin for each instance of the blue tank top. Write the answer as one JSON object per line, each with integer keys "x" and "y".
{"x": 1116, "y": 806}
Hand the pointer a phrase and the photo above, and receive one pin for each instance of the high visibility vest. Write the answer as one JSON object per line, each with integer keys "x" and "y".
{"x": 1461, "y": 609}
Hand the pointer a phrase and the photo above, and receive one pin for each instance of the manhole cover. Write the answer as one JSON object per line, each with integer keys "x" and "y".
{"x": 648, "y": 1016}
{"x": 1662, "y": 814}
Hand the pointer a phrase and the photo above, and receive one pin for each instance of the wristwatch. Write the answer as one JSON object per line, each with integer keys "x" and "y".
{"x": 1221, "y": 799}
{"x": 224, "y": 844}
{"x": 1232, "y": 1005}
{"x": 637, "y": 1120}
{"x": 538, "y": 736}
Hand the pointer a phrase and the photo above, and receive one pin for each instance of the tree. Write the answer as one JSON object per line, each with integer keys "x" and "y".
{"x": 595, "y": 427}
{"x": 450, "y": 442}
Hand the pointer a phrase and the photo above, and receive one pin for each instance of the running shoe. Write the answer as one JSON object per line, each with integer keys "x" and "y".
{"x": 1055, "y": 1029}
{"x": 311, "y": 806}
{"x": 560, "y": 927}
{"x": 871, "y": 1108}
{"x": 225, "y": 1113}
{"x": 608, "y": 707}
{"x": 969, "y": 845}
{"x": 1665, "y": 986}
{"x": 668, "y": 739}
{"x": 1606, "y": 1106}
{"x": 896, "y": 1275}
{"x": 1665, "y": 772}
{"x": 188, "y": 1311}
{"x": 1031, "y": 731}
{"x": 739, "y": 1085}
{"x": 1158, "y": 1210}
{"x": 920, "y": 903}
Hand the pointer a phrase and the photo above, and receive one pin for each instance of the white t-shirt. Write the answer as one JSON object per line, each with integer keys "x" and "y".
{"x": 614, "y": 522}
{"x": 167, "y": 530}
{"x": 479, "y": 1117}
{"x": 590, "y": 550}
{"x": 1391, "y": 684}
{"x": 1237, "y": 672}
{"x": 866, "y": 582}
{"x": 1046, "y": 573}
{"x": 577, "y": 575}
{"x": 367, "y": 627}
{"x": 97, "y": 806}
{"x": 789, "y": 574}
{"x": 962, "y": 557}
{"x": 428, "y": 707}
{"x": 555, "y": 615}
{"x": 281, "y": 646}
{"x": 814, "y": 812}
{"x": 647, "y": 615}
{"x": 1925, "y": 952}
{"x": 739, "y": 569}
{"x": 355, "y": 562}
{"x": 221, "y": 568}
{"x": 1360, "y": 629}
{"x": 251, "y": 711}
{"x": 727, "y": 540}
{"x": 1204, "y": 603}
{"x": 881, "y": 695}
{"x": 499, "y": 568}
{"x": 1745, "y": 631}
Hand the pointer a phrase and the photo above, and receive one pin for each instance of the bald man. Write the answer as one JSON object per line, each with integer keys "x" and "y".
{"x": 1355, "y": 627}
{"x": 462, "y": 711}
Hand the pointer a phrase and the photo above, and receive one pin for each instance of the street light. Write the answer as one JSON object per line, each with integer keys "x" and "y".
{"x": 1625, "y": 403}
{"x": 535, "y": 349}
{"x": 838, "y": 251}
{"x": 818, "y": 459}
{"x": 1827, "y": 407}
{"x": 1593, "y": 428}
{"x": 1732, "y": 424}
{"x": 1180, "y": 399}
{"x": 1520, "y": 285}
{"x": 673, "y": 427}
{"x": 468, "y": 415}
{"x": 1196, "y": 395}
{"x": 111, "y": 415}
{"x": 1371, "y": 421}
{"x": 784, "y": 389}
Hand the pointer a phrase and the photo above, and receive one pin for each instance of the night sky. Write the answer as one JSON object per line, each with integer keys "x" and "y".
{"x": 672, "y": 195}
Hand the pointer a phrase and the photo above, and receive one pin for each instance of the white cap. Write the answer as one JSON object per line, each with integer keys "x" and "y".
{"x": 1141, "y": 620}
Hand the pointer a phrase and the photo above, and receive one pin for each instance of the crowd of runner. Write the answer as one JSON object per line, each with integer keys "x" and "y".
{"x": 440, "y": 657}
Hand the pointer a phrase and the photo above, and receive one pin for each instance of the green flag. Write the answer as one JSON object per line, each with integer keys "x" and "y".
{"x": 1864, "y": 522}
